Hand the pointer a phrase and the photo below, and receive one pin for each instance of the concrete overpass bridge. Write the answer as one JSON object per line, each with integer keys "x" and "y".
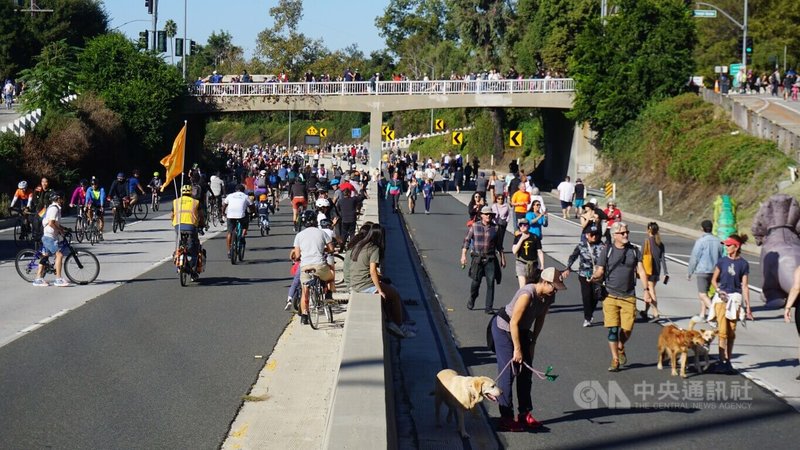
{"x": 568, "y": 147}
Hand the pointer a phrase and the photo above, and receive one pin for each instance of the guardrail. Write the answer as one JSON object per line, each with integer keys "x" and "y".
{"x": 28, "y": 121}
{"x": 444, "y": 87}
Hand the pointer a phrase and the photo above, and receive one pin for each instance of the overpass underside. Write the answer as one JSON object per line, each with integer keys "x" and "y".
{"x": 376, "y": 105}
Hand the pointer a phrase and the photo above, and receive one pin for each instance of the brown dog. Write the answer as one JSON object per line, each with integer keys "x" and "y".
{"x": 461, "y": 394}
{"x": 674, "y": 341}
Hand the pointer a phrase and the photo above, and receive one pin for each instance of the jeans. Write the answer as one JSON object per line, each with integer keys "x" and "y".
{"x": 484, "y": 270}
{"x": 295, "y": 284}
{"x": 504, "y": 349}
{"x": 428, "y": 200}
{"x": 588, "y": 298}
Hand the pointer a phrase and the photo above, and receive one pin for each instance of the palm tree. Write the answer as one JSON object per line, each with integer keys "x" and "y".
{"x": 171, "y": 29}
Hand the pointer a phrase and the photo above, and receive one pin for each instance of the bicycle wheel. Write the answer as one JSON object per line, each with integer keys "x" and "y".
{"x": 329, "y": 313}
{"x": 213, "y": 212}
{"x": 154, "y": 205}
{"x": 22, "y": 234}
{"x": 115, "y": 223}
{"x": 121, "y": 223}
{"x": 298, "y": 295}
{"x": 140, "y": 211}
{"x": 241, "y": 246}
{"x": 80, "y": 229}
{"x": 262, "y": 227}
{"x": 26, "y": 264}
{"x": 314, "y": 308}
{"x": 183, "y": 273}
{"x": 338, "y": 269}
{"x": 234, "y": 246}
{"x": 81, "y": 267}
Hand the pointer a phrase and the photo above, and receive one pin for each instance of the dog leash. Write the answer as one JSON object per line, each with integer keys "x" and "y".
{"x": 546, "y": 375}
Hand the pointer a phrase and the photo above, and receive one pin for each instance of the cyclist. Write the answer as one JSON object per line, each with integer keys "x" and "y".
{"x": 117, "y": 193}
{"x": 274, "y": 186}
{"x": 53, "y": 234}
{"x": 186, "y": 218}
{"x": 299, "y": 195}
{"x": 217, "y": 188}
{"x": 309, "y": 247}
{"x": 23, "y": 195}
{"x": 261, "y": 183}
{"x": 134, "y": 187}
{"x": 236, "y": 208}
{"x": 41, "y": 199}
{"x": 95, "y": 199}
{"x": 79, "y": 194}
{"x": 155, "y": 184}
{"x": 263, "y": 208}
{"x": 199, "y": 190}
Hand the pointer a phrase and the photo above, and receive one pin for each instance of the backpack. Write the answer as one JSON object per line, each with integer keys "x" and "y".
{"x": 273, "y": 179}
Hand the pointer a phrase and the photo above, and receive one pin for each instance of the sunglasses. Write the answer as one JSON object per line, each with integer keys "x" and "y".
{"x": 623, "y": 232}
{"x": 524, "y": 225}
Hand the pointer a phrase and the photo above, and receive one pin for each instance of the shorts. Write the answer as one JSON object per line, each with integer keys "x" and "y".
{"x": 134, "y": 197}
{"x": 51, "y": 246}
{"x": 323, "y": 272}
{"x": 245, "y": 221}
{"x": 521, "y": 268}
{"x": 369, "y": 290}
{"x": 727, "y": 328}
{"x": 703, "y": 282}
{"x": 299, "y": 201}
{"x": 619, "y": 312}
{"x": 565, "y": 205}
{"x": 579, "y": 203}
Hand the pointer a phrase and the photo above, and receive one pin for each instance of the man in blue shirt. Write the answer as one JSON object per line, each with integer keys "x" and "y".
{"x": 134, "y": 187}
{"x": 705, "y": 254}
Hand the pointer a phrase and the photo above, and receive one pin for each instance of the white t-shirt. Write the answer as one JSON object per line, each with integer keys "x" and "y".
{"x": 565, "y": 191}
{"x": 237, "y": 205}
{"x": 53, "y": 213}
{"x": 312, "y": 242}
{"x": 216, "y": 184}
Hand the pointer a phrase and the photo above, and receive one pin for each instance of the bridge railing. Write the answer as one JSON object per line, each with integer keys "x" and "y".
{"x": 443, "y": 87}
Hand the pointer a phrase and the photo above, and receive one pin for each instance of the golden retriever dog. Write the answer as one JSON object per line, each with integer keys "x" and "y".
{"x": 461, "y": 394}
{"x": 674, "y": 341}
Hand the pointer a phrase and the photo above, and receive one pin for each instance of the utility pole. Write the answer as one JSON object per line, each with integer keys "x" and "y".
{"x": 183, "y": 58}
{"x": 742, "y": 26}
{"x": 35, "y": 9}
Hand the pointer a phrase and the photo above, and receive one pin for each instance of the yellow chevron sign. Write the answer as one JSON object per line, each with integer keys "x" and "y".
{"x": 390, "y": 135}
{"x": 515, "y": 138}
{"x": 458, "y": 138}
{"x": 439, "y": 125}
{"x": 384, "y": 129}
{"x": 323, "y": 132}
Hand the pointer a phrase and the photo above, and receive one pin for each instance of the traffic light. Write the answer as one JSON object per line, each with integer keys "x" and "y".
{"x": 192, "y": 48}
{"x": 178, "y": 46}
{"x": 143, "y": 40}
{"x": 748, "y": 46}
{"x": 162, "y": 42}
{"x": 149, "y": 5}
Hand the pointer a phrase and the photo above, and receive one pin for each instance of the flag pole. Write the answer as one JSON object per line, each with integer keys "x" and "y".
{"x": 177, "y": 194}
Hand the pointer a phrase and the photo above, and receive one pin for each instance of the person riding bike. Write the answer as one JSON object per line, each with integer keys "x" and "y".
{"x": 95, "y": 199}
{"x": 217, "y": 188}
{"x": 263, "y": 207}
{"x": 309, "y": 247}
{"x": 51, "y": 240}
{"x": 118, "y": 192}
{"x": 134, "y": 188}
{"x": 237, "y": 208}
{"x": 79, "y": 194}
{"x": 186, "y": 218}
{"x": 299, "y": 195}
{"x": 23, "y": 195}
{"x": 155, "y": 184}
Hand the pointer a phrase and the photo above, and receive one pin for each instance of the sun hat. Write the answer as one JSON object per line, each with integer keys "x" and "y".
{"x": 487, "y": 210}
{"x": 551, "y": 275}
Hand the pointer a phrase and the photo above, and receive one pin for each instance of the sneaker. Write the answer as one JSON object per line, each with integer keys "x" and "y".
{"x": 39, "y": 282}
{"x": 304, "y": 319}
{"x": 529, "y": 422}
{"x": 471, "y": 304}
{"x": 395, "y": 330}
{"x": 509, "y": 424}
{"x": 60, "y": 282}
{"x": 587, "y": 323}
{"x": 288, "y": 305}
{"x": 643, "y": 315}
{"x": 195, "y": 276}
{"x": 798, "y": 378}
{"x": 712, "y": 324}
{"x": 622, "y": 358}
{"x": 101, "y": 238}
{"x": 614, "y": 367}
{"x": 408, "y": 332}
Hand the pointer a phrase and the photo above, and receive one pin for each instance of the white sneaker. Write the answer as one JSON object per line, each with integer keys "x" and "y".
{"x": 60, "y": 282}
{"x": 587, "y": 323}
{"x": 288, "y": 305}
{"x": 39, "y": 282}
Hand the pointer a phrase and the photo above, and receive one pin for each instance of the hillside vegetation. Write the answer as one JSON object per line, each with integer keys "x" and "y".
{"x": 688, "y": 149}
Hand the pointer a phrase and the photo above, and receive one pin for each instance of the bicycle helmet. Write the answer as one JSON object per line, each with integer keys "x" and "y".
{"x": 262, "y": 197}
{"x": 155, "y": 174}
{"x": 55, "y": 195}
{"x": 325, "y": 223}
{"x": 83, "y": 182}
{"x": 322, "y": 203}
{"x": 22, "y": 184}
{"x": 309, "y": 218}
{"x": 186, "y": 189}
{"x": 120, "y": 175}
{"x": 335, "y": 182}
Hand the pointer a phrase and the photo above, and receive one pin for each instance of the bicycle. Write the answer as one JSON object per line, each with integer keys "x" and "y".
{"x": 119, "y": 216}
{"x": 298, "y": 222}
{"x": 23, "y": 231}
{"x": 80, "y": 266}
{"x": 181, "y": 259}
{"x": 138, "y": 210}
{"x": 154, "y": 199}
{"x": 263, "y": 225}
{"x": 80, "y": 225}
{"x": 317, "y": 303}
{"x": 237, "y": 244}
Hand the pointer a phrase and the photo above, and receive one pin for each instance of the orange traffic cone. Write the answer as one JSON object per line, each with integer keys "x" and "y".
{"x": 716, "y": 86}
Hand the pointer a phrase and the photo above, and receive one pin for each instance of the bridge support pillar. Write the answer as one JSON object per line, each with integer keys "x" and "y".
{"x": 583, "y": 154}
{"x": 375, "y": 124}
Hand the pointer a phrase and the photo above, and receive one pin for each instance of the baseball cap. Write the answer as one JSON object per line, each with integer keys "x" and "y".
{"x": 593, "y": 201}
{"x": 551, "y": 275}
{"x": 487, "y": 210}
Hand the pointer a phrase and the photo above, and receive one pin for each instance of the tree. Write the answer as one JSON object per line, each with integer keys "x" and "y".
{"x": 284, "y": 49}
{"x": 51, "y": 79}
{"x": 425, "y": 20}
{"x": 220, "y": 47}
{"x": 642, "y": 53}
{"x": 171, "y": 30}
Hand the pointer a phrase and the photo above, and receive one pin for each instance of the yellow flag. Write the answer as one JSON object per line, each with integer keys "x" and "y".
{"x": 174, "y": 161}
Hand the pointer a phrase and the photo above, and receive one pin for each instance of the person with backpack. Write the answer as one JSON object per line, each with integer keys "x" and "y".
{"x": 619, "y": 266}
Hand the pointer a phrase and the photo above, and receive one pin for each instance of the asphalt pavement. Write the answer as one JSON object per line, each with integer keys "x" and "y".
{"x": 589, "y": 407}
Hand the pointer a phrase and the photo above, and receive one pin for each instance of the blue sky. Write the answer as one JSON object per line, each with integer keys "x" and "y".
{"x": 337, "y": 23}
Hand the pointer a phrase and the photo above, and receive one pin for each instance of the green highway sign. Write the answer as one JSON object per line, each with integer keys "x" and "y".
{"x": 705, "y": 13}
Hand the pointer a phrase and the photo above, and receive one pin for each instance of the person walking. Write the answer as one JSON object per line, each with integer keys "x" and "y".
{"x": 730, "y": 281}
{"x": 515, "y": 330}
{"x": 537, "y": 218}
{"x": 613, "y": 214}
{"x": 427, "y": 193}
{"x": 411, "y": 193}
{"x": 566, "y": 192}
{"x": 705, "y": 254}
{"x": 579, "y": 198}
{"x": 481, "y": 239}
{"x": 654, "y": 259}
{"x": 587, "y": 253}
{"x": 528, "y": 250}
{"x": 793, "y": 294}
{"x": 502, "y": 214}
{"x": 393, "y": 190}
{"x": 618, "y": 266}
{"x": 519, "y": 201}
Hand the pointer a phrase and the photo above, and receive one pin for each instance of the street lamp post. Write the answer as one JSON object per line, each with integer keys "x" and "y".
{"x": 183, "y": 58}
{"x": 742, "y": 26}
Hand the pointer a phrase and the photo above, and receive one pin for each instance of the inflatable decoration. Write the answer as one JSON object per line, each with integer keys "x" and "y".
{"x": 776, "y": 228}
{"x": 724, "y": 217}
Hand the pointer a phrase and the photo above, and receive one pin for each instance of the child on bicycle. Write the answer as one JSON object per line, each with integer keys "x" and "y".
{"x": 264, "y": 207}
{"x": 155, "y": 183}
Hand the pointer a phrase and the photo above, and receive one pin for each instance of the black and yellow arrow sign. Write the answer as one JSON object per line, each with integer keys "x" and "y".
{"x": 439, "y": 124}
{"x": 458, "y": 138}
{"x": 515, "y": 138}
{"x": 384, "y": 129}
{"x": 323, "y": 132}
{"x": 390, "y": 135}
